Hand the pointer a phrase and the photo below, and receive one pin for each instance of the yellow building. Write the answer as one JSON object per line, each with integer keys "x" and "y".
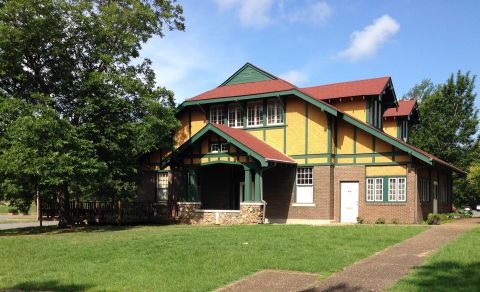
{"x": 259, "y": 149}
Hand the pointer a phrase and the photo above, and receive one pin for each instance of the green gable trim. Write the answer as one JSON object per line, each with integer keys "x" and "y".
{"x": 387, "y": 139}
{"x": 248, "y": 73}
{"x": 210, "y": 127}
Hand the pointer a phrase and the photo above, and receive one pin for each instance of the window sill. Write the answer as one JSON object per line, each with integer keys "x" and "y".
{"x": 387, "y": 203}
{"x": 303, "y": 205}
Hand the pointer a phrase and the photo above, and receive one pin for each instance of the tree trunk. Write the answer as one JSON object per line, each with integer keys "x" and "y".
{"x": 64, "y": 218}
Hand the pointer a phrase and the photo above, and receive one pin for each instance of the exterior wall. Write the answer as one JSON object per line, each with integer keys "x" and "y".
{"x": 390, "y": 127}
{"x": 400, "y": 212}
{"x": 279, "y": 193}
{"x": 370, "y": 212}
{"x": 356, "y": 107}
{"x": 442, "y": 177}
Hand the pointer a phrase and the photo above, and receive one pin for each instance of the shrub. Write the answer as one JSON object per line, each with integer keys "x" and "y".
{"x": 464, "y": 214}
{"x": 380, "y": 221}
{"x": 435, "y": 219}
{"x": 360, "y": 220}
{"x": 395, "y": 221}
{"x": 12, "y": 210}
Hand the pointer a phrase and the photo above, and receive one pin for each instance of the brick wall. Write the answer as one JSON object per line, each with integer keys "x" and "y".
{"x": 279, "y": 193}
{"x": 370, "y": 212}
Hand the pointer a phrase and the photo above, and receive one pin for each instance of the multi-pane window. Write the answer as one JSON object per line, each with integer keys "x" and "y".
{"x": 425, "y": 189}
{"x": 304, "y": 176}
{"x": 216, "y": 114}
{"x": 254, "y": 114}
{"x": 397, "y": 189}
{"x": 304, "y": 184}
{"x": 162, "y": 186}
{"x": 274, "y": 112}
{"x": 374, "y": 189}
{"x": 235, "y": 119}
{"x": 214, "y": 148}
{"x": 224, "y": 147}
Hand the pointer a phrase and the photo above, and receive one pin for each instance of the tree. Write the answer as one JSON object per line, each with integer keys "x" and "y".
{"x": 78, "y": 60}
{"x": 419, "y": 91}
{"x": 448, "y": 125}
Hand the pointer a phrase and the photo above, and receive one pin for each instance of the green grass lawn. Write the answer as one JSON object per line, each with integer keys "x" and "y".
{"x": 4, "y": 209}
{"x": 455, "y": 267}
{"x": 180, "y": 258}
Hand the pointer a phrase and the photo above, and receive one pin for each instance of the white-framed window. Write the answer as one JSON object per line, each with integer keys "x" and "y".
{"x": 214, "y": 148}
{"x": 235, "y": 118}
{"x": 274, "y": 112}
{"x": 162, "y": 186}
{"x": 424, "y": 189}
{"x": 216, "y": 114}
{"x": 224, "y": 147}
{"x": 375, "y": 189}
{"x": 304, "y": 185}
{"x": 397, "y": 189}
{"x": 255, "y": 114}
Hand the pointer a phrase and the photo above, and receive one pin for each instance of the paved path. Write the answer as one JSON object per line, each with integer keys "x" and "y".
{"x": 5, "y": 226}
{"x": 375, "y": 273}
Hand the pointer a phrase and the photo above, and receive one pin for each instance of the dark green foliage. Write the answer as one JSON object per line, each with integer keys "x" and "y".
{"x": 77, "y": 106}
{"x": 448, "y": 126}
{"x": 380, "y": 221}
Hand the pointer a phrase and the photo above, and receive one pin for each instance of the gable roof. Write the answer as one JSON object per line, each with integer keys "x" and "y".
{"x": 255, "y": 144}
{"x": 315, "y": 95}
{"x": 243, "y": 140}
{"x": 242, "y": 89}
{"x": 374, "y": 86}
{"x": 248, "y": 73}
{"x": 405, "y": 108}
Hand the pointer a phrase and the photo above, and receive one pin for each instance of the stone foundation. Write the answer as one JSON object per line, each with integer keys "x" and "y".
{"x": 191, "y": 213}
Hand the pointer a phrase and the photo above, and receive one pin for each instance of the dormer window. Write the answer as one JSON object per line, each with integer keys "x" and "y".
{"x": 216, "y": 114}
{"x": 274, "y": 112}
{"x": 255, "y": 114}
{"x": 235, "y": 118}
{"x": 404, "y": 130}
{"x": 375, "y": 113}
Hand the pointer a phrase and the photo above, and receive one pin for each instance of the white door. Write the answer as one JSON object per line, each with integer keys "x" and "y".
{"x": 349, "y": 202}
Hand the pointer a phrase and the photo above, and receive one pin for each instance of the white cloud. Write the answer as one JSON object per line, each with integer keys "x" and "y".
{"x": 252, "y": 13}
{"x": 296, "y": 77}
{"x": 260, "y": 13}
{"x": 315, "y": 12}
{"x": 366, "y": 42}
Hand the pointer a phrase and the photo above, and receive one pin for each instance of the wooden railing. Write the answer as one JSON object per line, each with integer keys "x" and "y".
{"x": 101, "y": 212}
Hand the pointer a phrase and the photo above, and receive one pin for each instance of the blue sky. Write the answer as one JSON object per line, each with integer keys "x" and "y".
{"x": 318, "y": 42}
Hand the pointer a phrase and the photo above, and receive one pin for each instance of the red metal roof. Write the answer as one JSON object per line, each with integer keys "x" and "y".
{"x": 245, "y": 89}
{"x": 405, "y": 108}
{"x": 255, "y": 144}
{"x": 372, "y": 86}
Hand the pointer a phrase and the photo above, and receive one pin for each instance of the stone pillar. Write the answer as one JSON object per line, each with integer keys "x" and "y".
{"x": 246, "y": 189}
{"x": 252, "y": 213}
{"x": 186, "y": 211}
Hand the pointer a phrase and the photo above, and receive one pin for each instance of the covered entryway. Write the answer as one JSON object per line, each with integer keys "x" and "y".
{"x": 349, "y": 202}
{"x": 219, "y": 186}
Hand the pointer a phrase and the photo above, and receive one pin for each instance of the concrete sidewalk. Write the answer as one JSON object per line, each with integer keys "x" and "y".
{"x": 5, "y": 226}
{"x": 375, "y": 273}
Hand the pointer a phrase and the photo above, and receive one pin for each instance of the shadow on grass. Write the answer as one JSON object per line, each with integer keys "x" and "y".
{"x": 446, "y": 276}
{"x": 50, "y": 285}
{"x": 45, "y": 230}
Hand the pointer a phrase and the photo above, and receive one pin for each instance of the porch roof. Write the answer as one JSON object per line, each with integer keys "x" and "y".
{"x": 244, "y": 141}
